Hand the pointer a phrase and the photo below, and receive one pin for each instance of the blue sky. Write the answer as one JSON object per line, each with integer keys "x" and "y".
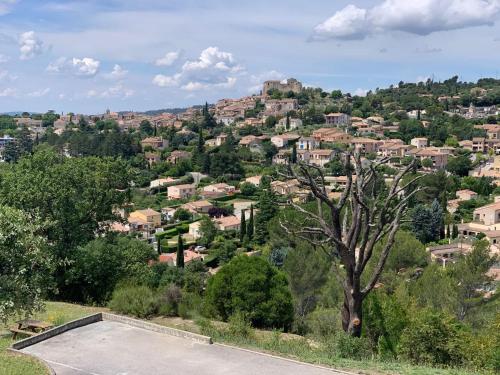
{"x": 86, "y": 56}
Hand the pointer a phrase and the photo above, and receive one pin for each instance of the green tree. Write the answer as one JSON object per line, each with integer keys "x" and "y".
{"x": 76, "y": 196}
{"x": 25, "y": 264}
{"x": 180, "y": 252}
{"x": 145, "y": 127}
{"x": 208, "y": 231}
{"x": 454, "y": 233}
{"x": 251, "y": 286}
{"x": 243, "y": 227}
{"x": 267, "y": 210}
{"x": 250, "y": 226}
{"x": 103, "y": 262}
{"x": 459, "y": 165}
{"x": 293, "y": 158}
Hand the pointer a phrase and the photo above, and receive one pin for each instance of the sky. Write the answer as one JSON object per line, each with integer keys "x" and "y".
{"x": 88, "y": 56}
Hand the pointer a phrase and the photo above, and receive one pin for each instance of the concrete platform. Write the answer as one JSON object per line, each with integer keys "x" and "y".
{"x": 114, "y": 348}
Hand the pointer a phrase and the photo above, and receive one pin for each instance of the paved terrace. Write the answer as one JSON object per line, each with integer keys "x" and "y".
{"x": 115, "y": 348}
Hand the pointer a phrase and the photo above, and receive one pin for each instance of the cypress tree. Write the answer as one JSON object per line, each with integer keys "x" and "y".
{"x": 454, "y": 233}
{"x": 287, "y": 124}
{"x": 448, "y": 231}
{"x": 158, "y": 245}
{"x": 294, "y": 154}
{"x": 250, "y": 224}
{"x": 243, "y": 226}
{"x": 180, "y": 253}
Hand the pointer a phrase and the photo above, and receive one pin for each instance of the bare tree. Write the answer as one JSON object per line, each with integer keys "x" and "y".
{"x": 348, "y": 229}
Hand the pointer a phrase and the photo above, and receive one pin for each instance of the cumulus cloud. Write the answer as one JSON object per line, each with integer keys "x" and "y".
{"x": 6, "y": 76}
{"x": 85, "y": 67}
{"x": 117, "y": 73}
{"x": 168, "y": 59}
{"x": 117, "y": 91}
{"x": 29, "y": 45}
{"x": 6, "y": 6}
{"x": 421, "y": 17}
{"x": 39, "y": 93}
{"x": 213, "y": 68}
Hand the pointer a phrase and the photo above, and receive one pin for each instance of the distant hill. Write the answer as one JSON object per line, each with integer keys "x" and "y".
{"x": 174, "y": 111}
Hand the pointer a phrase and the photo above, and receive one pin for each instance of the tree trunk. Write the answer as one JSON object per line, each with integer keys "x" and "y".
{"x": 352, "y": 314}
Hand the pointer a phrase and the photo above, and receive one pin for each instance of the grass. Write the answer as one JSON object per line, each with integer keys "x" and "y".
{"x": 285, "y": 345}
{"x": 56, "y": 313}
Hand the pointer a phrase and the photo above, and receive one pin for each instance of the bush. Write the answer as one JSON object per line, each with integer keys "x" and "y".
{"x": 250, "y": 285}
{"x": 324, "y": 323}
{"x": 432, "y": 338}
{"x": 138, "y": 301}
{"x": 239, "y": 326}
{"x": 346, "y": 346}
{"x": 168, "y": 301}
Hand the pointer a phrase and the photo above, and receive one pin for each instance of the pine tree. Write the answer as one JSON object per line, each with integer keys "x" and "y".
{"x": 180, "y": 253}
{"x": 250, "y": 226}
{"x": 243, "y": 227}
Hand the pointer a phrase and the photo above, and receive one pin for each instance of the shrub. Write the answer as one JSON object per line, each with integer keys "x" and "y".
{"x": 250, "y": 285}
{"x": 432, "y": 338}
{"x": 239, "y": 326}
{"x": 168, "y": 301}
{"x": 138, "y": 301}
{"x": 346, "y": 346}
{"x": 323, "y": 323}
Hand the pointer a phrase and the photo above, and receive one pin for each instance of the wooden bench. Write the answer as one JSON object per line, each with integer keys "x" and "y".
{"x": 15, "y": 331}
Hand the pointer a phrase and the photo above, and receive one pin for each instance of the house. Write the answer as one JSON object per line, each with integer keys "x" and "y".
{"x": 307, "y": 143}
{"x": 250, "y": 141}
{"x": 282, "y": 157}
{"x": 156, "y": 143}
{"x": 194, "y": 230}
{"x": 254, "y": 180}
{"x": 283, "y": 140}
{"x": 167, "y": 213}
{"x": 331, "y": 135}
{"x": 303, "y": 155}
{"x": 338, "y": 119}
{"x": 276, "y": 107}
{"x": 171, "y": 258}
{"x": 220, "y": 188}
{"x": 147, "y": 216}
{"x": 161, "y": 182}
{"x": 228, "y": 223}
{"x": 294, "y": 123}
{"x": 320, "y": 157}
{"x": 198, "y": 207}
{"x": 152, "y": 158}
{"x": 420, "y": 142}
{"x": 488, "y": 215}
{"x": 466, "y": 194}
{"x": 439, "y": 160}
{"x": 285, "y": 187}
{"x": 183, "y": 191}
{"x": 365, "y": 145}
{"x": 177, "y": 156}
{"x": 492, "y": 130}
{"x": 220, "y": 139}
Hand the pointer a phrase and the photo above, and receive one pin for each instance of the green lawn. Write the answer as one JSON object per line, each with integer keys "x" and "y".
{"x": 56, "y": 313}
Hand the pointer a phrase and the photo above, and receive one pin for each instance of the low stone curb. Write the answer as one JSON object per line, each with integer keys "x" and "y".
{"x": 157, "y": 328}
{"x": 57, "y": 331}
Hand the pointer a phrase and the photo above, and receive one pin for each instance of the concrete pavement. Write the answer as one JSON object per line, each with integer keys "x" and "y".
{"x": 113, "y": 348}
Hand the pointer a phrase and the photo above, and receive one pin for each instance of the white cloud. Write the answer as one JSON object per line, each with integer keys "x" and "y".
{"x": 29, "y": 45}
{"x": 421, "y": 17}
{"x": 86, "y": 67}
{"x": 168, "y": 59}
{"x": 39, "y": 93}
{"x": 3, "y": 58}
{"x": 166, "y": 81}
{"x": 117, "y": 91}
{"x": 428, "y": 49}
{"x": 117, "y": 73}
{"x": 6, "y": 6}
{"x": 213, "y": 68}
{"x": 348, "y": 23}
{"x": 6, "y": 76}
{"x": 7, "y": 92}
{"x": 361, "y": 92}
